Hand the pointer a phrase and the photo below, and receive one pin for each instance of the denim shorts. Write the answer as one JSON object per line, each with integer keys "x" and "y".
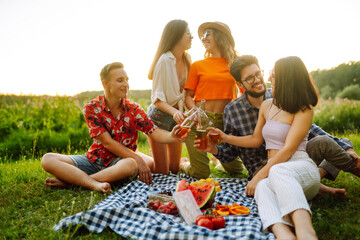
{"x": 161, "y": 119}
{"x": 84, "y": 164}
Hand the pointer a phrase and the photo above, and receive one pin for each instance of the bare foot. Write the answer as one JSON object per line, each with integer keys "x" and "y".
{"x": 336, "y": 192}
{"x": 182, "y": 161}
{"x": 54, "y": 182}
{"x": 214, "y": 160}
{"x": 104, "y": 187}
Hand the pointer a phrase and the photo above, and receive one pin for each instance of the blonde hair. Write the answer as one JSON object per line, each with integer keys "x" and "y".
{"x": 225, "y": 45}
{"x": 104, "y": 74}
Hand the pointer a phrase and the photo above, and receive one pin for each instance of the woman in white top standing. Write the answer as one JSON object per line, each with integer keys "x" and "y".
{"x": 169, "y": 71}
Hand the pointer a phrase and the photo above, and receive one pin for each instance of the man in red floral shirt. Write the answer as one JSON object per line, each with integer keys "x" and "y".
{"x": 113, "y": 123}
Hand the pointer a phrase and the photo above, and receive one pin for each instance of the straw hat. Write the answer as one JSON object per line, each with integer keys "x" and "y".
{"x": 222, "y": 27}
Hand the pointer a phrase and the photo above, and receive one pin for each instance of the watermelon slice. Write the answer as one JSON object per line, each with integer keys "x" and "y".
{"x": 204, "y": 195}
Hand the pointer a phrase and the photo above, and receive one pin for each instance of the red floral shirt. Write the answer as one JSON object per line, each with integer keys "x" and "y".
{"x": 123, "y": 128}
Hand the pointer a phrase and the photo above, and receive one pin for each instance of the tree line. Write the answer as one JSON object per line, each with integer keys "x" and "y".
{"x": 342, "y": 81}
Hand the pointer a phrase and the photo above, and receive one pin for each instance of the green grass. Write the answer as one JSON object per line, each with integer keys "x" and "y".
{"x": 29, "y": 210}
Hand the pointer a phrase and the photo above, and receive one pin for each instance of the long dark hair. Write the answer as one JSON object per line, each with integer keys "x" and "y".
{"x": 171, "y": 35}
{"x": 294, "y": 88}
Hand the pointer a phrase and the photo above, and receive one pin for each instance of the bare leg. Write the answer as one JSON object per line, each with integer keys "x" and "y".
{"x": 322, "y": 172}
{"x": 282, "y": 231}
{"x": 174, "y": 155}
{"x": 63, "y": 168}
{"x": 303, "y": 225}
{"x": 149, "y": 160}
{"x": 124, "y": 168}
{"x": 337, "y": 192}
{"x": 159, "y": 152}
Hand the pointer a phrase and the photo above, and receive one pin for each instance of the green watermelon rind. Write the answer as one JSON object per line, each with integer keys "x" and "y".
{"x": 207, "y": 203}
{"x": 210, "y": 202}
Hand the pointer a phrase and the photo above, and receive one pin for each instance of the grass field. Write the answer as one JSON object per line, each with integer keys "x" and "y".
{"x": 29, "y": 210}
{"x": 31, "y": 126}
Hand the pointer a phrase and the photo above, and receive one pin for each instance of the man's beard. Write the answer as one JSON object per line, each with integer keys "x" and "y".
{"x": 255, "y": 94}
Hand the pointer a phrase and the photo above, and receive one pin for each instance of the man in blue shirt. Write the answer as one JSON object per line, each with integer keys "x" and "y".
{"x": 240, "y": 116}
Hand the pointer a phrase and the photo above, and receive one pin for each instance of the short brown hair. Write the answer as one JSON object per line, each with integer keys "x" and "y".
{"x": 294, "y": 87}
{"x": 240, "y": 63}
{"x": 104, "y": 74}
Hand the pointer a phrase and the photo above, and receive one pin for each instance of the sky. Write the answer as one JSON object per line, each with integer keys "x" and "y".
{"x": 58, "y": 47}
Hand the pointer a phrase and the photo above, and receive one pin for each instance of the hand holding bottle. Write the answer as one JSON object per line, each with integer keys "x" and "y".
{"x": 186, "y": 124}
{"x": 203, "y": 122}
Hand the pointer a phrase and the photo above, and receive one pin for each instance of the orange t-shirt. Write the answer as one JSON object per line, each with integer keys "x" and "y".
{"x": 210, "y": 78}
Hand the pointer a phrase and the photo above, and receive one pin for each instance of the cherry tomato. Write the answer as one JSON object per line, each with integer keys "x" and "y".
{"x": 207, "y": 223}
{"x": 218, "y": 222}
{"x": 200, "y": 217}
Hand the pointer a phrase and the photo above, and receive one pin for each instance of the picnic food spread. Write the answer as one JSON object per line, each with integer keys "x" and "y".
{"x": 204, "y": 195}
{"x": 235, "y": 209}
{"x": 204, "y": 192}
{"x": 210, "y": 220}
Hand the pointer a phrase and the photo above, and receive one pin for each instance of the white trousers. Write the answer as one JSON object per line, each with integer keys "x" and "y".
{"x": 288, "y": 187}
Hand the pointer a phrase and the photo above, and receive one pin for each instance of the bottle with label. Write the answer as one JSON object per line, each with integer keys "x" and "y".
{"x": 203, "y": 123}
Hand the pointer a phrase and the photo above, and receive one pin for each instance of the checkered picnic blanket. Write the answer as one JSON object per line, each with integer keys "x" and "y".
{"x": 126, "y": 213}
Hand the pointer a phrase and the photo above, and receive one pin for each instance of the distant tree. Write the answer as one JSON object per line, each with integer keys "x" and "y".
{"x": 337, "y": 78}
{"x": 327, "y": 92}
{"x": 351, "y": 92}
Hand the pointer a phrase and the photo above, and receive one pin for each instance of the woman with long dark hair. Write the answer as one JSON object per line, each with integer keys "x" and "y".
{"x": 169, "y": 71}
{"x": 290, "y": 178}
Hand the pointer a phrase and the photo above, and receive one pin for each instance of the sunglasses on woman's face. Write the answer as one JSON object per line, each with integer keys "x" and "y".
{"x": 205, "y": 35}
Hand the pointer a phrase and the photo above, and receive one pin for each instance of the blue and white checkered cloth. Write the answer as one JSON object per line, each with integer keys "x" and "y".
{"x": 126, "y": 213}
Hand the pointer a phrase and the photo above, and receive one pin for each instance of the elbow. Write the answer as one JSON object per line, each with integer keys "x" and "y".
{"x": 257, "y": 143}
{"x": 106, "y": 144}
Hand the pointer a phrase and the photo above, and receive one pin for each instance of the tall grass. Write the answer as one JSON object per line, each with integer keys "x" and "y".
{"x": 338, "y": 115}
{"x": 29, "y": 210}
{"x": 31, "y": 126}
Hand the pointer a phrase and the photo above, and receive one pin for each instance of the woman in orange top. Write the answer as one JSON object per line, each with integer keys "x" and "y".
{"x": 210, "y": 79}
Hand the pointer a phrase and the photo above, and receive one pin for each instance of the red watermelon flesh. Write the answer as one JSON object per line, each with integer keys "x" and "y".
{"x": 182, "y": 185}
{"x": 204, "y": 195}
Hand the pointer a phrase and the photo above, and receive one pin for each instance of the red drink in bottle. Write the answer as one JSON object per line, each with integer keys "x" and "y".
{"x": 201, "y": 135}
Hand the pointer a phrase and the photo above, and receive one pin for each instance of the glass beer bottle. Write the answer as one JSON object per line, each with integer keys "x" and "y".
{"x": 186, "y": 124}
{"x": 191, "y": 111}
{"x": 203, "y": 122}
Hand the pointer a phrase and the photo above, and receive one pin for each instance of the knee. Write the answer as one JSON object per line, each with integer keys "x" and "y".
{"x": 46, "y": 160}
{"x": 276, "y": 172}
{"x": 318, "y": 141}
{"x": 347, "y": 141}
{"x": 133, "y": 167}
